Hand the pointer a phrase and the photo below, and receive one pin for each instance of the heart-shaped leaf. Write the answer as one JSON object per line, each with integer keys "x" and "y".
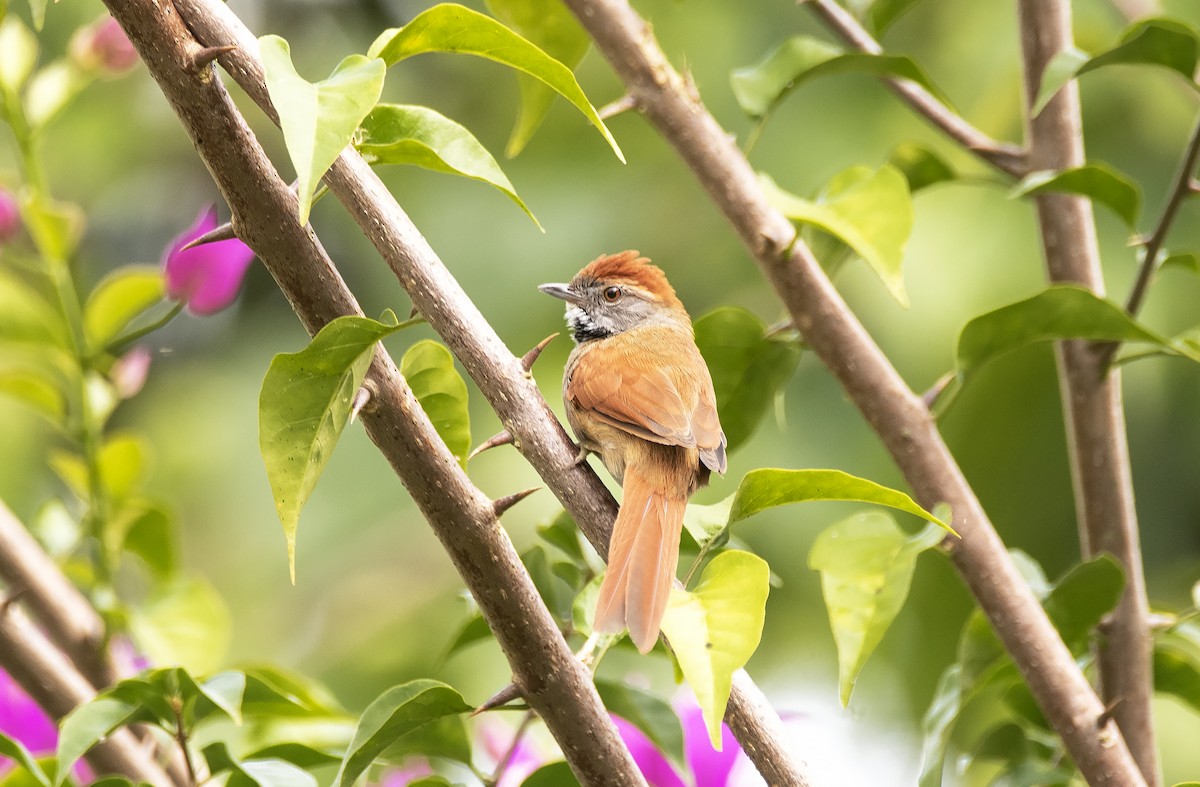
{"x": 318, "y": 119}
{"x": 401, "y": 134}
{"x": 1096, "y": 181}
{"x": 453, "y": 28}
{"x": 397, "y": 712}
{"x": 715, "y": 628}
{"x": 869, "y": 211}
{"x": 866, "y": 564}
{"x": 185, "y": 622}
{"x": 759, "y": 88}
{"x": 747, "y": 367}
{"x": 303, "y": 407}
{"x": 429, "y": 369}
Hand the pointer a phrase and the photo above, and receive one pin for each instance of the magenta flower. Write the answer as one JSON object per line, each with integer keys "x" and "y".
{"x": 24, "y": 721}
{"x": 708, "y": 767}
{"x": 10, "y": 217}
{"x": 206, "y": 279}
{"x": 103, "y": 46}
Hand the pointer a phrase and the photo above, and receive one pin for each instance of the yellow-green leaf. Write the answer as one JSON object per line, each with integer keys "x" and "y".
{"x": 429, "y": 369}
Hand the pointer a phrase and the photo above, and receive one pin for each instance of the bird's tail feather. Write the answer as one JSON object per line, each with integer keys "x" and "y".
{"x": 642, "y": 558}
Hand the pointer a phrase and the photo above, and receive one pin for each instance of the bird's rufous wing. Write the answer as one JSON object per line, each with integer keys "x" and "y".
{"x": 651, "y": 394}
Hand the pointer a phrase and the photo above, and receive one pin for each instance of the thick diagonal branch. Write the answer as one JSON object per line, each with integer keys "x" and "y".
{"x": 896, "y": 414}
{"x": 47, "y": 676}
{"x": 1004, "y": 157}
{"x": 551, "y": 679}
{"x": 498, "y": 373}
{"x": 1091, "y": 393}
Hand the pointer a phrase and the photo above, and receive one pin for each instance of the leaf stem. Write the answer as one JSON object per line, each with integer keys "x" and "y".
{"x": 116, "y": 346}
{"x": 182, "y": 739}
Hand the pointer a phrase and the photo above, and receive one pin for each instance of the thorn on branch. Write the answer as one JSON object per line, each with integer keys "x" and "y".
{"x": 502, "y": 697}
{"x": 1106, "y": 715}
{"x": 204, "y": 57}
{"x": 9, "y": 600}
{"x": 1193, "y": 186}
{"x": 530, "y": 358}
{"x": 362, "y": 399}
{"x": 504, "y": 438}
{"x": 935, "y": 392}
{"x": 502, "y": 504}
{"x": 614, "y": 108}
{"x": 223, "y": 232}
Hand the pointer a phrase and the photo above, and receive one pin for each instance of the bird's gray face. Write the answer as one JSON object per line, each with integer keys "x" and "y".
{"x": 598, "y": 310}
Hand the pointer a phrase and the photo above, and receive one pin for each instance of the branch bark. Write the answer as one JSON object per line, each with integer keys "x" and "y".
{"x": 513, "y": 395}
{"x": 551, "y": 679}
{"x": 1003, "y": 156}
{"x": 896, "y": 414}
{"x": 1091, "y": 392}
{"x": 47, "y": 676}
{"x": 69, "y": 620}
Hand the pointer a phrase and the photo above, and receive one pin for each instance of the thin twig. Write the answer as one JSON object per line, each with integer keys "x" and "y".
{"x": 1181, "y": 189}
{"x": 1005, "y": 157}
{"x": 507, "y": 759}
{"x": 181, "y": 739}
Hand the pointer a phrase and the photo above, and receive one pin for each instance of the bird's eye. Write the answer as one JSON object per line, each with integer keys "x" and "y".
{"x": 612, "y": 294}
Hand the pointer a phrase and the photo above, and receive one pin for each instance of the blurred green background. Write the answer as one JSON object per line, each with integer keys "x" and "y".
{"x": 376, "y": 602}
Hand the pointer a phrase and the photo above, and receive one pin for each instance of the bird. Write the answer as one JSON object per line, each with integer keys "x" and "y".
{"x": 639, "y": 395}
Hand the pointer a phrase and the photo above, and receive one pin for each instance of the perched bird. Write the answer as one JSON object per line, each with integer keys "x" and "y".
{"x": 639, "y": 395}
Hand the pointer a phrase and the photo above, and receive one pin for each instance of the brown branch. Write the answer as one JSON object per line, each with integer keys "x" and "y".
{"x": 69, "y": 620}
{"x": 47, "y": 676}
{"x": 1091, "y": 393}
{"x": 1005, "y": 157}
{"x": 896, "y": 414}
{"x": 501, "y": 376}
{"x": 553, "y": 681}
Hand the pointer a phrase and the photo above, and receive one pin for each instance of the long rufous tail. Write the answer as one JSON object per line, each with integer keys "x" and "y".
{"x": 642, "y": 558}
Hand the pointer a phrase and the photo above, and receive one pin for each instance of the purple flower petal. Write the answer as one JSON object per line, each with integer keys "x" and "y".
{"x": 22, "y": 720}
{"x": 649, "y": 760}
{"x": 205, "y": 278}
{"x": 710, "y": 767}
{"x": 10, "y": 217}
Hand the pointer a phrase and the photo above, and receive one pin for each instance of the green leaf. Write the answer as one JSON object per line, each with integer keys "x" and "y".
{"x": 1167, "y": 43}
{"x": 273, "y": 691}
{"x": 403, "y": 134}
{"x": 297, "y": 754}
{"x": 1097, "y": 181}
{"x": 151, "y": 536}
{"x": 920, "y": 166}
{"x": 18, "y": 54}
{"x": 429, "y": 369}
{"x": 474, "y": 630}
{"x": 318, "y": 119}
{"x": 36, "y": 389}
{"x": 558, "y": 595}
{"x": 303, "y": 407}
{"x": 122, "y": 461}
{"x": 453, "y": 28}
{"x": 761, "y": 87}
{"x": 15, "y": 750}
{"x": 225, "y": 691}
{"x": 649, "y": 713}
{"x": 550, "y": 26}
{"x": 270, "y": 773}
{"x": 556, "y": 774}
{"x": 399, "y": 711}
{"x": 84, "y": 727}
{"x": 118, "y": 299}
{"x": 1083, "y": 596}
{"x": 56, "y": 227}
{"x": 938, "y": 724}
{"x": 866, "y": 564}
{"x": 715, "y": 628}
{"x": 769, "y": 487}
{"x": 26, "y": 317}
{"x": 1188, "y": 260}
{"x": 561, "y": 532}
{"x": 1064, "y": 311}
{"x": 52, "y": 88}
{"x": 884, "y": 12}
{"x": 186, "y": 623}
{"x": 747, "y": 367}
{"x": 870, "y": 211}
